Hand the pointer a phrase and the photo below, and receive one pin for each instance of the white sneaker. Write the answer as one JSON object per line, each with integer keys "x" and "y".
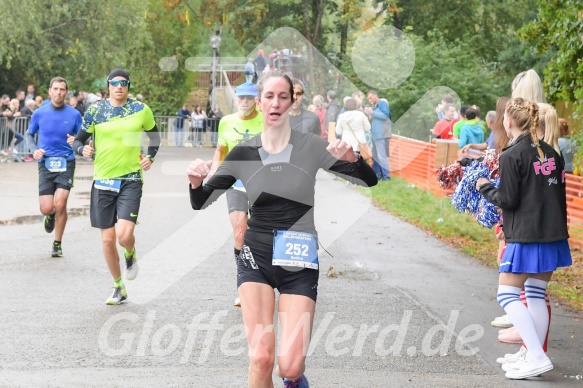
{"x": 502, "y": 321}
{"x": 512, "y": 357}
{"x": 513, "y": 365}
{"x": 132, "y": 268}
{"x": 528, "y": 368}
{"x": 237, "y": 302}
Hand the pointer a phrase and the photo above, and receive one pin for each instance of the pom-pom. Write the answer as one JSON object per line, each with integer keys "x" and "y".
{"x": 449, "y": 176}
{"x": 492, "y": 160}
{"x": 466, "y": 197}
{"x": 487, "y": 213}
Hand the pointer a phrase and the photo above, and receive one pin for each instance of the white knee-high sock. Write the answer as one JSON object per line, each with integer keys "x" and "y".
{"x": 537, "y": 306}
{"x": 509, "y": 299}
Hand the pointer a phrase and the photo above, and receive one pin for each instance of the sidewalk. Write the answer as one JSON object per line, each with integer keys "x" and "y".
{"x": 19, "y": 191}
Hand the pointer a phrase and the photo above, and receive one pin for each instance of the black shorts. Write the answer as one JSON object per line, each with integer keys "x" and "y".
{"x": 49, "y": 182}
{"x": 258, "y": 268}
{"x": 237, "y": 201}
{"x": 108, "y": 206}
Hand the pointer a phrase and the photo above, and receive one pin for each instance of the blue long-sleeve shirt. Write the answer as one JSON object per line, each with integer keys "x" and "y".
{"x": 380, "y": 114}
{"x": 53, "y": 125}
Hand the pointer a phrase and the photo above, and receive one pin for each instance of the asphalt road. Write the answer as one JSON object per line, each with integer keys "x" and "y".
{"x": 396, "y": 307}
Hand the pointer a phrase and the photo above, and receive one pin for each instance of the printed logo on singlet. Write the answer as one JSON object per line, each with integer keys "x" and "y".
{"x": 246, "y": 135}
{"x": 546, "y": 167}
{"x": 276, "y": 168}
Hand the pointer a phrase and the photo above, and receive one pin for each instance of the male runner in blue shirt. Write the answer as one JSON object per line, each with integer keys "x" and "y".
{"x": 53, "y": 123}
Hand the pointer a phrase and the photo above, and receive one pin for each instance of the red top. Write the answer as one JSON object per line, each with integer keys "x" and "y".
{"x": 444, "y": 128}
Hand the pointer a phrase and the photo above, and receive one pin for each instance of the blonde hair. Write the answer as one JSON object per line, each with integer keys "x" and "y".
{"x": 318, "y": 101}
{"x": 15, "y": 104}
{"x": 524, "y": 114}
{"x": 549, "y": 123}
{"x": 529, "y": 86}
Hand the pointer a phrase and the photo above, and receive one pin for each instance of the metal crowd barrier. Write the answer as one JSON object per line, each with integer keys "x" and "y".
{"x": 12, "y": 131}
{"x": 202, "y": 134}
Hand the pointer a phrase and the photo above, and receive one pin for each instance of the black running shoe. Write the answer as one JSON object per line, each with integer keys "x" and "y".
{"x": 49, "y": 223}
{"x": 57, "y": 250}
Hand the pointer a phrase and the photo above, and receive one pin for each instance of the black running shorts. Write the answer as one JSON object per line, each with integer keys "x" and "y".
{"x": 49, "y": 182}
{"x": 109, "y": 206}
{"x": 258, "y": 268}
{"x": 237, "y": 201}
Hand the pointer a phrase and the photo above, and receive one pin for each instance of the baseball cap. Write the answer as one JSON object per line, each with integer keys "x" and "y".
{"x": 246, "y": 89}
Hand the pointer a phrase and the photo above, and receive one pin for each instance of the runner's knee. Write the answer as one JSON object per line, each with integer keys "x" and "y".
{"x": 291, "y": 368}
{"x": 262, "y": 359}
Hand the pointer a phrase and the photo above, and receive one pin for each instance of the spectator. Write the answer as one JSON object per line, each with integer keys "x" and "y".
{"x": 38, "y": 100}
{"x": 359, "y": 98}
{"x": 300, "y": 119}
{"x": 490, "y": 142}
{"x": 249, "y": 71}
{"x": 352, "y": 125}
{"x": 259, "y": 63}
{"x": 80, "y": 106}
{"x": 20, "y": 97}
{"x": 333, "y": 109}
{"x": 5, "y": 103}
{"x": 566, "y": 145}
{"x": 380, "y": 115}
{"x": 440, "y": 110}
{"x": 462, "y": 120}
{"x": 198, "y": 118}
{"x": 12, "y": 112}
{"x": 444, "y": 128}
{"x": 215, "y": 115}
{"x": 528, "y": 85}
{"x": 182, "y": 114}
{"x": 92, "y": 99}
{"x": 320, "y": 111}
{"x": 548, "y": 123}
{"x": 74, "y": 103}
{"x": 30, "y": 92}
{"x": 29, "y": 107}
{"x": 471, "y": 132}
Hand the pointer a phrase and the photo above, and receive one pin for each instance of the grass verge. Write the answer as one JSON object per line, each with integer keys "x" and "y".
{"x": 436, "y": 216}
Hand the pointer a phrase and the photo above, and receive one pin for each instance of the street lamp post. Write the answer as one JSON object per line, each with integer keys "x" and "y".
{"x": 215, "y": 43}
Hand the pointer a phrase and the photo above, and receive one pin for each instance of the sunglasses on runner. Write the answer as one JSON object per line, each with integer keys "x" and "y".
{"x": 118, "y": 82}
{"x": 247, "y": 97}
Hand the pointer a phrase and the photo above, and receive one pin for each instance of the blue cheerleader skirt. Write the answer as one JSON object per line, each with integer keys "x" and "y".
{"x": 535, "y": 257}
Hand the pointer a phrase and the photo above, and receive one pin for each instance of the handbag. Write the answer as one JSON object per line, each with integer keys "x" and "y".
{"x": 364, "y": 148}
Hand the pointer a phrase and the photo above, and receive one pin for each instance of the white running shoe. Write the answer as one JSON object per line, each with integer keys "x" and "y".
{"x": 529, "y": 368}
{"x": 512, "y": 357}
{"x": 237, "y": 302}
{"x": 132, "y": 268}
{"x": 118, "y": 296}
{"x": 503, "y": 322}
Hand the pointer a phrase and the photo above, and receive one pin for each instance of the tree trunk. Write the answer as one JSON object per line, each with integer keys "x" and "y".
{"x": 307, "y": 20}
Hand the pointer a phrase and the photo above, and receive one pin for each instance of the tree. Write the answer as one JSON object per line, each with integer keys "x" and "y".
{"x": 75, "y": 39}
{"x": 83, "y": 40}
{"x": 559, "y": 28}
{"x": 159, "y": 64}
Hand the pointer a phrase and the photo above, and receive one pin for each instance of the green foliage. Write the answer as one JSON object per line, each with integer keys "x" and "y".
{"x": 83, "y": 40}
{"x": 63, "y": 37}
{"x": 559, "y": 28}
{"x": 440, "y": 63}
{"x": 159, "y": 72}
